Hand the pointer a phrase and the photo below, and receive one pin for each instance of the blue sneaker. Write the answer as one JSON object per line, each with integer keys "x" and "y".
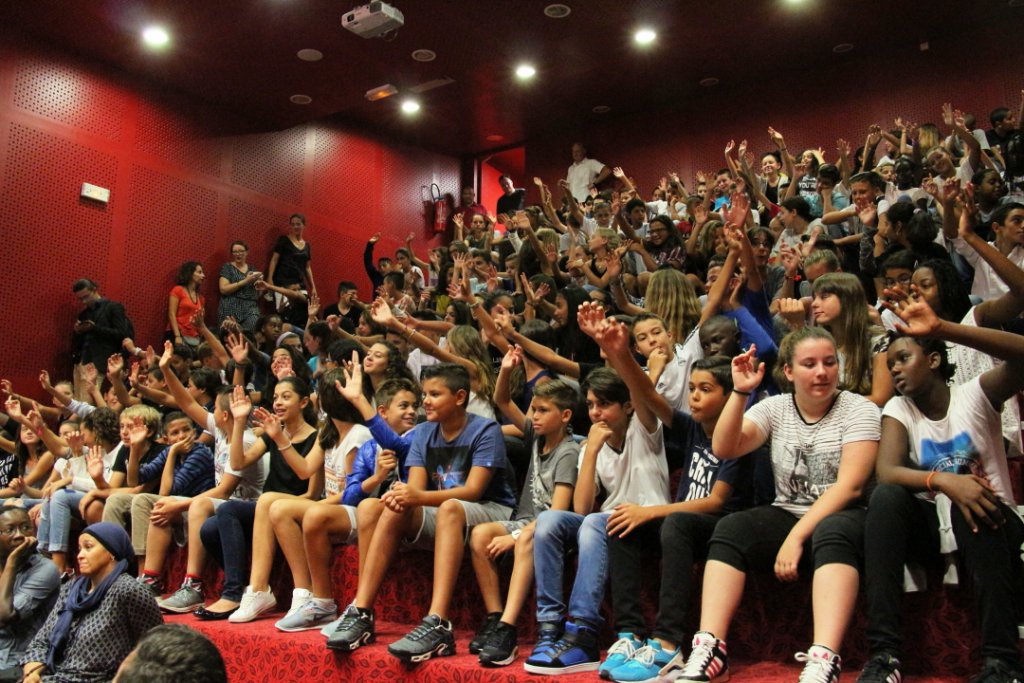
{"x": 575, "y": 652}
{"x": 548, "y": 633}
{"x": 619, "y": 653}
{"x": 649, "y": 663}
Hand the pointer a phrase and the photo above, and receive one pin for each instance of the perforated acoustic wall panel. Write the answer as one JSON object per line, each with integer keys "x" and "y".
{"x": 68, "y": 95}
{"x": 51, "y": 237}
{"x": 170, "y": 221}
{"x": 178, "y": 193}
{"x": 171, "y": 137}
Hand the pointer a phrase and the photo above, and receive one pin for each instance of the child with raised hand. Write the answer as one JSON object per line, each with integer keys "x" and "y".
{"x": 623, "y": 457}
{"x": 464, "y": 348}
{"x": 458, "y": 478}
{"x": 288, "y": 429}
{"x": 340, "y": 438}
{"x": 550, "y": 480}
{"x": 90, "y": 454}
{"x": 30, "y": 462}
{"x": 92, "y": 505}
{"x": 678, "y": 532}
{"x": 171, "y": 513}
{"x": 944, "y": 488}
{"x": 184, "y": 467}
{"x": 823, "y": 446}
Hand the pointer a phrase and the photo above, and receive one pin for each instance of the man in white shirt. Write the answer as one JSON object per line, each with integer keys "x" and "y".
{"x": 584, "y": 173}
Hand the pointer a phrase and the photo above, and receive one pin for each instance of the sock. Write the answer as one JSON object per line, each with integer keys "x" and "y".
{"x": 324, "y": 602}
{"x": 193, "y": 581}
{"x": 151, "y": 578}
{"x": 822, "y": 652}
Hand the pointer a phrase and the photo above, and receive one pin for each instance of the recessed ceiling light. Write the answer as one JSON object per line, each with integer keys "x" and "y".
{"x": 410, "y": 106}
{"x": 525, "y": 71}
{"x": 842, "y": 47}
{"x": 495, "y": 138}
{"x": 645, "y": 36}
{"x": 310, "y": 55}
{"x": 557, "y": 11}
{"x": 156, "y": 36}
{"x": 601, "y": 109}
{"x": 301, "y": 99}
{"x": 709, "y": 81}
{"x": 424, "y": 55}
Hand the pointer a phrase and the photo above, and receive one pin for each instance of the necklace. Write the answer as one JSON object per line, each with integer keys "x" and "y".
{"x": 808, "y": 439}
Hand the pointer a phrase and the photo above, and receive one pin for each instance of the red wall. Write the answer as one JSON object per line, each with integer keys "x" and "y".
{"x": 811, "y": 108}
{"x": 180, "y": 189}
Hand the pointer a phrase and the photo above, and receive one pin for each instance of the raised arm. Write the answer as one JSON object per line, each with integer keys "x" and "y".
{"x": 502, "y": 398}
{"x": 186, "y": 403}
{"x": 734, "y": 435}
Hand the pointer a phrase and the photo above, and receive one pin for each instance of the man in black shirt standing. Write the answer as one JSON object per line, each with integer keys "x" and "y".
{"x": 512, "y": 199}
{"x": 101, "y": 327}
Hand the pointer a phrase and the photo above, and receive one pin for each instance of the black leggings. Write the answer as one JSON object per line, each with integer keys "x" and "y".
{"x": 750, "y": 540}
{"x": 901, "y": 526}
{"x": 682, "y": 538}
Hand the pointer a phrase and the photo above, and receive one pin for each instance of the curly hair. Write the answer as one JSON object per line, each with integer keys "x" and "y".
{"x": 671, "y": 296}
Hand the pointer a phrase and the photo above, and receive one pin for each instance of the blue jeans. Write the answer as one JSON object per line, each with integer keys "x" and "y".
{"x": 55, "y": 519}
{"x": 557, "y": 532}
{"x": 227, "y": 536}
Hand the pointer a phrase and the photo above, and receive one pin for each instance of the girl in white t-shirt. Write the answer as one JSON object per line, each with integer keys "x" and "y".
{"x": 823, "y": 447}
{"x": 944, "y": 486}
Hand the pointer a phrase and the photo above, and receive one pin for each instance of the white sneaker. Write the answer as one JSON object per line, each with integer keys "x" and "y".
{"x": 312, "y": 614}
{"x": 254, "y": 603}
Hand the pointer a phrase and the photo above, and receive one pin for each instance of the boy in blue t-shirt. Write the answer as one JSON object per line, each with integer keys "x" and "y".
{"x": 458, "y": 477}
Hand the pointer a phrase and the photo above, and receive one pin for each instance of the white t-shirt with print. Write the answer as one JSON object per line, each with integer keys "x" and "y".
{"x": 334, "y": 459}
{"x": 673, "y": 384}
{"x": 805, "y": 457}
{"x": 251, "y": 478}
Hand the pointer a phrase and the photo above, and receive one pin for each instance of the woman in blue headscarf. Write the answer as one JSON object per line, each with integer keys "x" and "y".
{"x": 99, "y": 617}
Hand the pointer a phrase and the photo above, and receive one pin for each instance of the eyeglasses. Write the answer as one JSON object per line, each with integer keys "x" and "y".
{"x": 236, "y": 252}
{"x": 760, "y": 243}
{"x": 25, "y": 530}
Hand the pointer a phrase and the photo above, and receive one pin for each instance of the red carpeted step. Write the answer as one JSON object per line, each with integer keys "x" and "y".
{"x": 259, "y": 653}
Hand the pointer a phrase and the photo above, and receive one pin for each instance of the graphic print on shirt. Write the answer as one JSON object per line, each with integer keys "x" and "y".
{"x": 804, "y": 474}
{"x": 8, "y": 469}
{"x": 959, "y": 455}
{"x": 702, "y": 474}
{"x": 448, "y": 466}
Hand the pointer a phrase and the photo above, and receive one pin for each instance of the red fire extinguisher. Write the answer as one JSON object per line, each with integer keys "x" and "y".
{"x": 440, "y": 209}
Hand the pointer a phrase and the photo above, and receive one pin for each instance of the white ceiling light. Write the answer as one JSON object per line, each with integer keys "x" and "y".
{"x": 525, "y": 71}
{"x": 156, "y": 36}
{"x": 842, "y": 47}
{"x": 557, "y": 11}
{"x": 601, "y": 109}
{"x": 301, "y": 99}
{"x": 410, "y": 106}
{"x": 310, "y": 55}
{"x": 424, "y": 55}
{"x": 709, "y": 81}
{"x": 645, "y": 36}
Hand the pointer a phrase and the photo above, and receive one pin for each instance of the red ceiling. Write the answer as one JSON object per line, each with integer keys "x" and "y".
{"x": 241, "y": 54}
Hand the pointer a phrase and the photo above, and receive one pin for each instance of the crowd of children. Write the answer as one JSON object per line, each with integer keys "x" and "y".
{"x": 782, "y": 344}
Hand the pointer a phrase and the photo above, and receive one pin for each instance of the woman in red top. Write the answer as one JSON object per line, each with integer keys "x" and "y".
{"x": 183, "y": 304}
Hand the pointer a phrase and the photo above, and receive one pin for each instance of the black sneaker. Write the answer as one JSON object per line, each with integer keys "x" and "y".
{"x": 882, "y": 668}
{"x": 354, "y": 631}
{"x": 432, "y": 638}
{"x": 483, "y": 632}
{"x": 501, "y": 646}
{"x": 999, "y": 671}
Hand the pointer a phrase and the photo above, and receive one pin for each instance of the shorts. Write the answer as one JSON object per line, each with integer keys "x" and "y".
{"x": 476, "y": 513}
{"x": 514, "y": 525}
